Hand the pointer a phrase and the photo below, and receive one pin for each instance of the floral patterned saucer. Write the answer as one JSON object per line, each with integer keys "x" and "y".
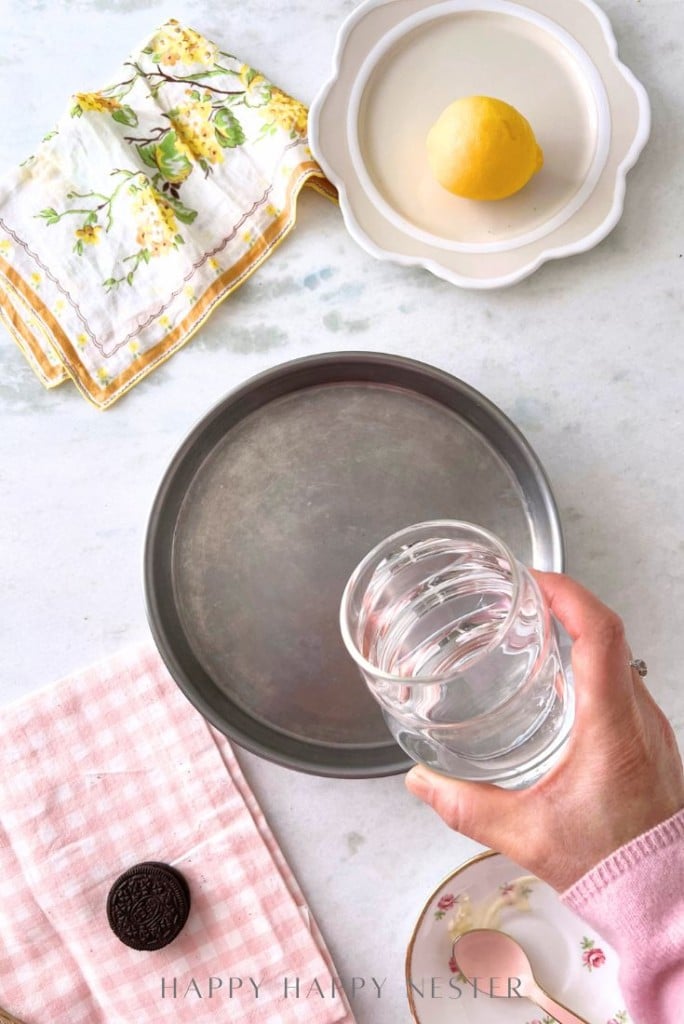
{"x": 572, "y": 963}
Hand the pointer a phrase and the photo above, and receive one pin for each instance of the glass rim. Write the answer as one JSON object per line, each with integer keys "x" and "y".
{"x": 367, "y": 666}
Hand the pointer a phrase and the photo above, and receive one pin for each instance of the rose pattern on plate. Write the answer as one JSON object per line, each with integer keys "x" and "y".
{"x": 446, "y": 902}
{"x": 592, "y": 955}
{"x": 464, "y": 914}
{"x": 455, "y": 969}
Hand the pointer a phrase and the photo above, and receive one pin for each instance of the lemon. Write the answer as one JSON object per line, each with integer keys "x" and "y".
{"x": 482, "y": 148}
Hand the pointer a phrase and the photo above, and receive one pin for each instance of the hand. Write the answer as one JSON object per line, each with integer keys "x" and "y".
{"x": 621, "y": 772}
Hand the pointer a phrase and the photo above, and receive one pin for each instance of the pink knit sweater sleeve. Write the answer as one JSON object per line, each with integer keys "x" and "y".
{"x": 635, "y": 900}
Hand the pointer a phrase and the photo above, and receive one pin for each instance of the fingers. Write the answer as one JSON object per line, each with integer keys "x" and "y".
{"x": 580, "y": 611}
{"x": 513, "y": 823}
{"x": 487, "y": 814}
{"x": 600, "y": 654}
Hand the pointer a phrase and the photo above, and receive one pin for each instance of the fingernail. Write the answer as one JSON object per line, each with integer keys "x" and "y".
{"x": 418, "y": 782}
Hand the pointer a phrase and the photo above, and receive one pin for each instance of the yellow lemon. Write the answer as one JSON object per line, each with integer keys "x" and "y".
{"x": 482, "y": 148}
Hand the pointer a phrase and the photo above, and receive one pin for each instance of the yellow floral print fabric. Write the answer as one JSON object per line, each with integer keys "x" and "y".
{"x": 152, "y": 200}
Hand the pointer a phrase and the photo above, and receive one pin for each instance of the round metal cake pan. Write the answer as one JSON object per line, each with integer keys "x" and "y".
{"x": 268, "y": 506}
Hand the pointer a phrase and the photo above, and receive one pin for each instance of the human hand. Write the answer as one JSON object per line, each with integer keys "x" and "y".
{"x": 620, "y": 774}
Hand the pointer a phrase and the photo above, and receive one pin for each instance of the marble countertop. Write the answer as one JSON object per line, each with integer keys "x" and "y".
{"x": 586, "y": 356}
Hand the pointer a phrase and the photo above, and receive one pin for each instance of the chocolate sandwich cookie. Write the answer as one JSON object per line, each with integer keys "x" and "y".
{"x": 148, "y": 905}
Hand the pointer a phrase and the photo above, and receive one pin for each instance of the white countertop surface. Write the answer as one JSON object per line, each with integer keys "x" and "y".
{"x": 586, "y": 356}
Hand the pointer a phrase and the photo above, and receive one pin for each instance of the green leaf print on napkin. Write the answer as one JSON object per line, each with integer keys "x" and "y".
{"x": 194, "y": 134}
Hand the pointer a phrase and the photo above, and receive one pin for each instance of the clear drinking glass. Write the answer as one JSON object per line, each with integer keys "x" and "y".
{"x": 458, "y": 646}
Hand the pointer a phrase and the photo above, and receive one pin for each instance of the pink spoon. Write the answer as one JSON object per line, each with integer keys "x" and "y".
{"x": 496, "y": 965}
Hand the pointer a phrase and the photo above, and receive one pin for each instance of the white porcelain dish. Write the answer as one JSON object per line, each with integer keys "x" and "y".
{"x": 398, "y": 63}
{"x": 569, "y": 960}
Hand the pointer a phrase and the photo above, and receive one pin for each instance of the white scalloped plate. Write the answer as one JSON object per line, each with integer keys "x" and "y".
{"x": 398, "y": 63}
{"x": 569, "y": 960}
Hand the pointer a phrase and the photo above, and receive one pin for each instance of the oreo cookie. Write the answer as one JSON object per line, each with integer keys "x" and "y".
{"x": 148, "y": 905}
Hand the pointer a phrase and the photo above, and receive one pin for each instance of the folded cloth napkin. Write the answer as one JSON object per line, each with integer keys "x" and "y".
{"x": 150, "y": 202}
{"x": 104, "y": 770}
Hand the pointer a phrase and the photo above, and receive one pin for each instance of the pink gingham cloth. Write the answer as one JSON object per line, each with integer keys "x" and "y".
{"x": 111, "y": 767}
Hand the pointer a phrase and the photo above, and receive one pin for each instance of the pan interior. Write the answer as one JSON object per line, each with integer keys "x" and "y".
{"x": 281, "y": 510}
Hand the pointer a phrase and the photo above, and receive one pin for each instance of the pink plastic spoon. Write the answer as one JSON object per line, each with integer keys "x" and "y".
{"x": 496, "y": 965}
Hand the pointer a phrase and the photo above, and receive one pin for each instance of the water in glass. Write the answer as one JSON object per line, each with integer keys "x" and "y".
{"x": 464, "y": 657}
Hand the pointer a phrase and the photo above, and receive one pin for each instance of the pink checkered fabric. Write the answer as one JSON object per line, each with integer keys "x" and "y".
{"x": 112, "y": 767}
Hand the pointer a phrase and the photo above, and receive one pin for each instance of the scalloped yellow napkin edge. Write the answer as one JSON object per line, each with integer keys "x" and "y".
{"x": 150, "y": 202}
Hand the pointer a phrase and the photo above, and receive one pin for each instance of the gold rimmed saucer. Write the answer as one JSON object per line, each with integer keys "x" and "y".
{"x": 569, "y": 959}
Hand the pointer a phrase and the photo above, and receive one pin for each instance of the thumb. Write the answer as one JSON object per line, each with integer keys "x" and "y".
{"x": 485, "y": 813}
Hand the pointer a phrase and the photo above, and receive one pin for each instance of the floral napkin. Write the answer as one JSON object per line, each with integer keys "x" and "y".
{"x": 112, "y": 767}
{"x": 148, "y": 204}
